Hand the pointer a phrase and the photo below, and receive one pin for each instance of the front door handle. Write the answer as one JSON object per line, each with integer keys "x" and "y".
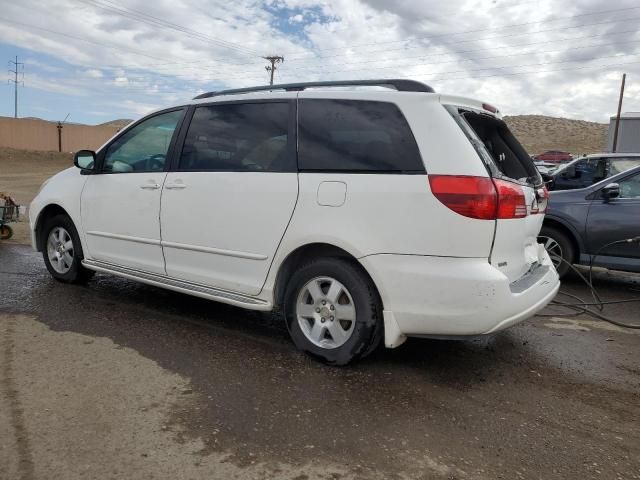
{"x": 175, "y": 186}
{"x": 151, "y": 185}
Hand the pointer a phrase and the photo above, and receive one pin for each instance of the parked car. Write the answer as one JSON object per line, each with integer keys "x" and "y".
{"x": 579, "y": 223}
{"x": 317, "y": 203}
{"x": 545, "y": 168}
{"x": 585, "y": 171}
{"x": 554, "y": 156}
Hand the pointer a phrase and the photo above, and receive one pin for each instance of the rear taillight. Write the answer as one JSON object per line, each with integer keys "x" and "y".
{"x": 473, "y": 197}
{"x": 479, "y": 197}
{"x": 511, "y": 200}
{"x": 542, "y": 200}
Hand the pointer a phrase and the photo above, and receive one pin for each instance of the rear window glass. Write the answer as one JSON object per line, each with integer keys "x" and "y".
{"x": 499, "y": 149}
{"x": 357, "y": 136}
{"x": 619, "y": 165}
{"x": 240, "y": 137}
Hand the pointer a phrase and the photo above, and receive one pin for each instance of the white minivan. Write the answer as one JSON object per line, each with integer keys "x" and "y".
{"x": 364, "y": 211}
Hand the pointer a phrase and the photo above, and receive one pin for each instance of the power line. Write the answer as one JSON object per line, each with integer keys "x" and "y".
{"x": 158, "y": 22}
{"x": 473, "y": 71}
{"x": 295, "y": 68}
{"x": 475, "y": 77}
{"x": 421, "y": 56}
{"x": 485, "y": 9}
{"x": 15, "y": 81}
{"x": 534, "y": 72}
{"x": 94, "y": 42}
{"x": 431, "y": 37}
{"x": 393, "y": 67}
{"x": 314, "y": 58}
{"x": 444, "y": 44}
{"x": 118, "y": 48}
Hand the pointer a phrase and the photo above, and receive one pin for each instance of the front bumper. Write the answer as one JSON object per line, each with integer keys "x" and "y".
{"x": 446, "y": 296}
{"x": 34, "y": 211}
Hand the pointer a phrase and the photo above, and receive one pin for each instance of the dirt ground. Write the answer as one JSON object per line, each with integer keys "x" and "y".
{"x": 119, "y": 380}
{"x": 22, "y": 172}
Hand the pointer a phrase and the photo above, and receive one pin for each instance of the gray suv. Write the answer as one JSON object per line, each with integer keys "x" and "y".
{"x": 580, "y": 223}
{"x": 589, "y": 169}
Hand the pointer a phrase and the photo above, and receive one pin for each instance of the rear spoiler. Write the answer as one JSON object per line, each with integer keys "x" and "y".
{"x": 465, "y": 102}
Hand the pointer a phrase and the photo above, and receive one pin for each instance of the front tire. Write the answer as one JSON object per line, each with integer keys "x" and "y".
{"x": 559, "y": 247}
{"x": 62, "y": 251}
{"x": 333, "y": 311}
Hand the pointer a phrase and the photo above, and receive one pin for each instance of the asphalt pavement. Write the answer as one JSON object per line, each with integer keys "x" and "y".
{"x": 120, "y": 380}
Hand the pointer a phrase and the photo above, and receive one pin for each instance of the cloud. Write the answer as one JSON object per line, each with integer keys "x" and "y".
{"x": 93, "y": 73}
{"x": 560, "y": 57}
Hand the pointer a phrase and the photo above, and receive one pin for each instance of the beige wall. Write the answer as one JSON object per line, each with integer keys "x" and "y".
{"x": 28, "y": 134}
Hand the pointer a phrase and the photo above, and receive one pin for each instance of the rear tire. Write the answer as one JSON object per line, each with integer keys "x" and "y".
{"x": 6, "y": 232}
{"x": 62, "y": 251}
{"x": 333, "y": 311}
{"x": 558, "y": 244}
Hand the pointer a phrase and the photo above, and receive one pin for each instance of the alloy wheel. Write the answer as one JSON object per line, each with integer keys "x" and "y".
{"x": 60, "y": 250}
{"x": 554, "y": 250}
{"x": 326, "y": 312}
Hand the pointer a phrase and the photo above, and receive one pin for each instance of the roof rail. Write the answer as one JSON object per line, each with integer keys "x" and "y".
{"x": 401, "y": 85}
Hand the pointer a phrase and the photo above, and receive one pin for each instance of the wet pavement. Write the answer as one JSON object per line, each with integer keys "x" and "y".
{"x": 550, "y": 398}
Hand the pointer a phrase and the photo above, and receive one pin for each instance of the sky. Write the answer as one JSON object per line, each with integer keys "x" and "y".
{"x": 99, "y": 60}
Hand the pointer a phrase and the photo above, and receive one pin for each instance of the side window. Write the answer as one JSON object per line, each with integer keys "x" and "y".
{"x": 144, "y": 147}
{"x": 579, "y": 175}
{"x": 621, "y": 164}
{"x": 630, "y": 187}
{"x": 249, "y": 137}
{"x": 354, "y": 135}
{"x": 600, "y": 171}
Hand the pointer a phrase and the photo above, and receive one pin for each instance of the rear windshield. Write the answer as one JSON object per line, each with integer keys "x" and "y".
{"x": 498, "y": 148}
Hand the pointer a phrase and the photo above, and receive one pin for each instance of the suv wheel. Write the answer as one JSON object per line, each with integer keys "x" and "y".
{"x": 333, "y": 311}
{"x": 559, "y": 248}
{"x": 62, "y": 251}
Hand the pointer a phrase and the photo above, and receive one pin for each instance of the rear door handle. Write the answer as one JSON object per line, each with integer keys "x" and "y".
{"x": 150, "y": 186}
{"x": 175, "y": 186}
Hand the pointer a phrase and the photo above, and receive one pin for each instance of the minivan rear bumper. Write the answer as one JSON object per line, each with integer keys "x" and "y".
{"x": 447, "y": 296}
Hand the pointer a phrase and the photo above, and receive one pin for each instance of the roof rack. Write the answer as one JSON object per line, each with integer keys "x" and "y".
{"x": 399, "y": 84}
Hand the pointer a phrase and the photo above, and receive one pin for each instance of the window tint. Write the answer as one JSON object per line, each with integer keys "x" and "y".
{"x": 630, "y": 187}
{"x": 144, "y": 147}
{"x": 348, "y": 135}
{"x": 619, "y": 165}
{"x": 581, "y": 174}
{"x": 239, "y": 137}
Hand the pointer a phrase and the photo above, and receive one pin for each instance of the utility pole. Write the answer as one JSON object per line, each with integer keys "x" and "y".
{"x": 60, "y": 127}
{"x": 272, "y": 68}
{"x": 15, "y": 82}
{"x": 615, "y": 131}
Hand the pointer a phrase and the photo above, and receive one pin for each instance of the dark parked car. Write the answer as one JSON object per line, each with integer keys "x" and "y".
{"x": 580, "y": 222}
{"x": 585, "y": 171}
{"x": 554, "y": 156}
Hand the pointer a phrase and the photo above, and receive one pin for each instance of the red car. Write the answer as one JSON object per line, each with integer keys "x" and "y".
{"x": 554, "y": 156}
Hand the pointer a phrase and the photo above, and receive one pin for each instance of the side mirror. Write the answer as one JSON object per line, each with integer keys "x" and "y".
{"x": 85, "y": 160}
{"x": 611, "y": 190}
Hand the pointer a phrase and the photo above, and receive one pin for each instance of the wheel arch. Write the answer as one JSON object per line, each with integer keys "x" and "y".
{"x": 310, "y": 250}
{"x": 556, "y": 223}
{"x": 49, "y": 211}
